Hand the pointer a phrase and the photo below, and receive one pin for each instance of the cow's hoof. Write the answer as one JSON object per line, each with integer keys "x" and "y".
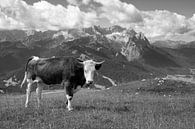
{"x": 70, "y": 109}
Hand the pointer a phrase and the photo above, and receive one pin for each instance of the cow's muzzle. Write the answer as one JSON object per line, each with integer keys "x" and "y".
{"x": 88, "y": 83}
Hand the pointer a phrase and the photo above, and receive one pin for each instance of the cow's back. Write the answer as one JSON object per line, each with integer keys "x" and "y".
{"x": 50, "y": 70}
{"x": 57, "y": 70}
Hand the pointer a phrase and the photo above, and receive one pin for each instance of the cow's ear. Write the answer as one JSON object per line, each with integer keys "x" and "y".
{"x": 98, "y": 66}
{"x": 80, "y": 61}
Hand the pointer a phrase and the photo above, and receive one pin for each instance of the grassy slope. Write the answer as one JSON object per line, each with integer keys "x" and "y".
{"x": 134, "y": 105}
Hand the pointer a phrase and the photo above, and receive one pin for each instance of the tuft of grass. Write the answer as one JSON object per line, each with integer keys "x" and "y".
{"x": 168, "y": 87}
{"x": 121, "y": 107}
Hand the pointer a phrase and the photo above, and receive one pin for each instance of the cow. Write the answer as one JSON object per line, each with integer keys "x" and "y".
{"x": 70, "y": 72}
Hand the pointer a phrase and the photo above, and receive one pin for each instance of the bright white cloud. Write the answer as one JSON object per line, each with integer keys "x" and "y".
{"x": 73, "y": 2}
{"x": 43, "y": 15}
{"x": 86, "y": 2}
{"x": 193, "y": 18}
{"x": 118, "y": 12}
{"x": 192, "y": 22}
{"x": 158, "y": 24}
{"x": 7, "y": 23}
{"x": 78, "y": 2}
{"x": 162, "y": 23}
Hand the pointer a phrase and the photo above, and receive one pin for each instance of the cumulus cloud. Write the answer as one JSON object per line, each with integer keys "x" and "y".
{"x": 163, "y": 23}
{"x": 43, "y": 16}
{"x": 192, "y": 22}
{"x": 78, "y": 2}
{"x": 158, "y": 24}
{"x": 86, "y": 2}
{"x": 118, "y": 12}
{"x": 193, "y": 17}
{"x": 7, "y": 23}
{"x": 73, "y": 2}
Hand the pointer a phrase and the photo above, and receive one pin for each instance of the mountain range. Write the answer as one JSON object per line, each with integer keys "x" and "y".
{"x": 128, "y": 55}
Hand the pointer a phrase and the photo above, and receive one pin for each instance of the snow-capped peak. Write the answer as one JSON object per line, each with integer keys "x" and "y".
{"x": 65, "y": 34}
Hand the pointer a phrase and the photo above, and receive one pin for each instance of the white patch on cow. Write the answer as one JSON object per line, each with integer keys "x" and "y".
{"x": 29, "y": 80}
{"x": 39, "y": 92}
{"x": 37, "y": 80}
{"x": 35, "y": 58}
{"x": 89, "y": 69}
{"x": 69, "y": 106}
{"x": 28, "y": 92}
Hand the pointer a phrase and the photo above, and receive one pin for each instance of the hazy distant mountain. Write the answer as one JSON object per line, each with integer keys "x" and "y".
{"x": 12, "y": 35}
{"x": 188, "y": 45}
{"x": 169, "y": 43}
{"x": 108, "y": 42}
{"x": 184, "y": 52}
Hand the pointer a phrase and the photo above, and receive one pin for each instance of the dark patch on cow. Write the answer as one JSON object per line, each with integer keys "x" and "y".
{"x": 60, "y": 70}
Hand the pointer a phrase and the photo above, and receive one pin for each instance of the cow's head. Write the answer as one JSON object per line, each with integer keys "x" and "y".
{"x": 89, "y": 68}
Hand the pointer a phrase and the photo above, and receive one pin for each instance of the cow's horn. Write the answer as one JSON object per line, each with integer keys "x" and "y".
{"x": 99, "y": 62}
{"x": 80, "y": 60}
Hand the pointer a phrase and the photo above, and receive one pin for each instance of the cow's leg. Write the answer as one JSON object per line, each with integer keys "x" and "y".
{"x": 28, "y": 91}
{"x": 69, "y": 95}
{"x": 39, "y": 91}
{"x": 69, "y": 106}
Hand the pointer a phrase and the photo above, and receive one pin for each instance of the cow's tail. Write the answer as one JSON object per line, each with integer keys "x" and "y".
{"x": 25, "y": 73}
{"x": 24, "y": 80}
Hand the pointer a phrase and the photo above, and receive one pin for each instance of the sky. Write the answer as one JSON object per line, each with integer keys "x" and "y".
{"x": 157, "y": 19}
{"x": 183, "y": 7}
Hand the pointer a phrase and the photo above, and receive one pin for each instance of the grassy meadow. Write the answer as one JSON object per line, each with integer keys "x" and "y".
{"x": 136, "y": 105}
